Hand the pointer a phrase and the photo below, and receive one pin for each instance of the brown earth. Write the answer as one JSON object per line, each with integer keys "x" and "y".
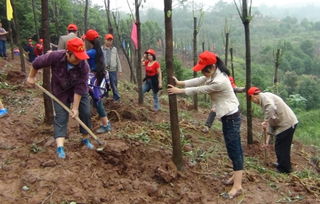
{"x": 135, "y": 165}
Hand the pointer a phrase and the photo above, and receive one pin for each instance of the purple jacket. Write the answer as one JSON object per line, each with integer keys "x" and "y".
{"x": 64, "y": 83}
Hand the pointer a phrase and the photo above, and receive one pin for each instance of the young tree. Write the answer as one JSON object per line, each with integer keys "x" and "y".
{"x": 107, "y": 8}
{"x": 46, "y": 72}
{"x": 17, "y": 29}
{"x": 226, "y": 34}
{"x": 174, "y": 120}
{"x": 35, "y": 19}
{"x": 86, "y": 8}
{"x": 246, "y": 17}
{"x": 138, "y": 60}
{"x": 195, "y": 33}
{"x": 231, "y": 61}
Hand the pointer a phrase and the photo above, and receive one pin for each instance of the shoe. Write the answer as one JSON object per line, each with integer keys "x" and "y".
{"x": 104, "y": 129}
{"x": 3, "y": 112}
{"x": 205, "y": 129}
{"x": 87, "y": 143}
{"x": 60, "y": 152}
{"x": 228, "y": 196}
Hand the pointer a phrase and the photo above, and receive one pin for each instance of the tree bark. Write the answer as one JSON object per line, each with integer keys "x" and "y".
{"x": 276, "y": 67}
{"x": 11, "y": 38}
{"x": 195, "y": 32}
{"x": 246, "y": 22}
{"x": 174, "y": 120}
{"x": 46, "y": 71}
{"x": 35, "y": 19}
{"x": 231, "y": 60}
{"x": 107, "y": 8}
{"x": 138, "y": 60}
{"x": 86, "y": 16}
{"x": 17, "y": 30}
{"x": 226, "y": 50}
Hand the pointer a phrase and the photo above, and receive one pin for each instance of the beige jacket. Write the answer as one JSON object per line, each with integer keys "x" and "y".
{"x": 220, "y": 90}
{"x": 62, "y": 44}
{"x": 277, "y": 113}
{"x": 115, "y": 64}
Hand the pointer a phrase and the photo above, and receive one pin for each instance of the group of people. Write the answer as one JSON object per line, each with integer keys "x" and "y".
{"x": 279, "y": 119}
{"x": 83, "y": 67}
{"x": 34, "y": 50}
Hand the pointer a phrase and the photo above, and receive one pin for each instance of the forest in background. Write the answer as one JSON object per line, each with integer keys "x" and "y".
{"x": 297, "y": 37}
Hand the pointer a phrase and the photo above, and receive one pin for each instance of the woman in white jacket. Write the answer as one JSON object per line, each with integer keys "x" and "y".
{"x": 215, "y": 83}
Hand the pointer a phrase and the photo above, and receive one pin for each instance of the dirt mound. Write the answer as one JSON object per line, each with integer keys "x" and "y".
{"x": 16, "y": 76}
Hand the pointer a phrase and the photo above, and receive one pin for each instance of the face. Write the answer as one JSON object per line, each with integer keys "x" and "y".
{"x": 210, "y": 72}
{"x": 150, "y": 57}
{"x": 255, "y": 99}
{"x": 108, "y": 42}
{"x": 72, "y": 59}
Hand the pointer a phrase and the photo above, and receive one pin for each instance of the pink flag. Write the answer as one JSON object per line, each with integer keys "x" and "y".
{"x": 134, "y": 35}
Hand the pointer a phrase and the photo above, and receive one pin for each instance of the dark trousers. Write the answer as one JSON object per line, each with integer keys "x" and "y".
{"x": 231, "y": 132}
{"x": 62, "y": 116}
{"x": 114, "y": 85}
{"x": 210, "y": 119}
{"x": 283, "y": 149}
{"x": 3, "y": 48}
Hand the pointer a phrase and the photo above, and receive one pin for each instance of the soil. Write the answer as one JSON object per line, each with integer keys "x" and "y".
{"x": 135, "y": 165}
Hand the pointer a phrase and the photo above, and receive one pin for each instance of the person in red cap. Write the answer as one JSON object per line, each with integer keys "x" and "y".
{"x": 99, "y": 79}
{"x": 279, "y": 120}
{"x": 29, "y": 48}
{"x": 38, "y": 49}
{"x": 69, "y": 83}
{"x": 72, "y": 30}
{"x": 153, "y": 79}
{"x": 113, "y": 64}
{"x": 215, "y": 82}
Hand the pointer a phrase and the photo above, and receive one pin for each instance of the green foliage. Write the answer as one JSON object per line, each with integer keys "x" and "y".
{"x": 308, "y": 129}
{"x": 296, "y": 101}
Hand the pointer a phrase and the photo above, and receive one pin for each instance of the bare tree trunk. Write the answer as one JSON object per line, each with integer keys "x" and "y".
{"x": 17, "y": 29}
{"x": 205, "y": 95}
{"x": 226, "y": 50}
{"x": 55, "y": 12}
{"x": 246, "y": 22}
{"x": 174, "y": 120}
{"x": 46, "y": 71}
{"x": 231, "y": 59}
{"x": 195, "y": 32}
{"x": 124, "y": 50}
{"x": 86, "y": 16}
{"x": 35, "y": 19}
{"x": 107, "y": 8}
{"x": 138, "y": 60}
{"x": 276, "y": 67}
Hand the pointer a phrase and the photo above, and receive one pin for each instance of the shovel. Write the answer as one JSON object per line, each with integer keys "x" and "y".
{"x": 77, "y": 118}
{"x": 265, "y": 141}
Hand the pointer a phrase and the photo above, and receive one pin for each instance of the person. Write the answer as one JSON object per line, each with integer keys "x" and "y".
{"x": 69, "y": 84}
{"x": 3, "y": 39}
{"x": 113, "y": 65}
{"x": 279, "y": 120}
{"x": 153, "y": 79}
{"x": 3, "y": 111}
{"x": 96, "y": 63}
{"x": 215, "y": 82}
{"x": 72, "y": 30}
{"x": 39, "y": 49}
{"x": 212, "y": 114}
{"x": 29, "y": 48}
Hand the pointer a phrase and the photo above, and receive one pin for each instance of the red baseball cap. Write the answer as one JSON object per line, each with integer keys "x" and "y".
{"x": 108, "y": 36}
{"x": 29, "y": 40}
{"x": 76, "y": 46}
{"x": 151, "y": 51}
{"x": 40, "y": 40}
{"x": 91, "y": 34}
{"x": 206, "y": 58}
{"x": 72, "y": 27}
{"x": 253, "y": 90}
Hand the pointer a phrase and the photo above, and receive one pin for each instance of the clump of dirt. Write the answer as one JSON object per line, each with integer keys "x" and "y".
{"x": 16, "y": 76}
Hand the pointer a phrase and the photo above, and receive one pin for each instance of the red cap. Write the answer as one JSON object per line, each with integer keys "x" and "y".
{"x": 108, "y": 36}
{"x": 151, "y": 51}
{"x": 39, "y": 46}
{"x": 72, "y": 27}
{"x": 206, "y": 58}
{"x": 41, "y": 40}
{"x": 76, "y": 46}
{"x": 91, "y": 34}
{"x": 29, "y": 40}
{"x": 253, "y": 90}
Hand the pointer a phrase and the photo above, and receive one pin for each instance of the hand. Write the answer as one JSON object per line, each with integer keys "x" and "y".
{"x": 265, "y": 125}
{"x": 160, "y": 86}
{"x": 31, "y": 81}
{"x": 174, "y": 90}
{"x": 176, "y": 81}
{"x": 74, "y": 113}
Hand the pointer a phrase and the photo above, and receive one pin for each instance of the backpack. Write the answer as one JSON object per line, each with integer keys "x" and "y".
{"x": 97, "y": 92}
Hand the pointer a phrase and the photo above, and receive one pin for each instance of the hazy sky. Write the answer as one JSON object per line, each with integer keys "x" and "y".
{"x": 123, "y": 6}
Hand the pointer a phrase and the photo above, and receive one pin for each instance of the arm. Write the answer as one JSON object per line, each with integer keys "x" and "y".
{"x": 205, "y": 89}
{"x": 119, "y": 63}
{"x": 75, "y": 105}
{"x": 61, "y": 44}
{"x": 159, "y": 77}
